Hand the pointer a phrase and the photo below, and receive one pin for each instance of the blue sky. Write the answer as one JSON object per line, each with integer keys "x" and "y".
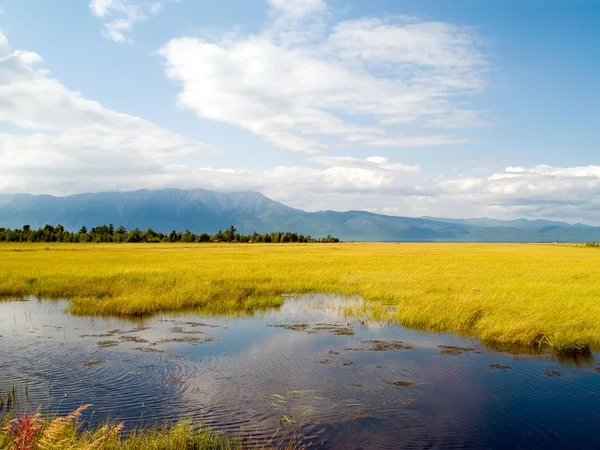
{"x": 407, "y": 107}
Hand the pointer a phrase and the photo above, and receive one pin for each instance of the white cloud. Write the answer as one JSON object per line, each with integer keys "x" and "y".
{"x": 540, "y": 191}
{"x": 460, "y": 118}
{"x": 405, "y": 141}
{"x": 4, "y": 47}
{"x": 371, "y": 163}
{"x": 120, "y": 16}
{"x": 63, "y": 134}
{"x": 298, "y": 81}
{"x": 298, "y": 8}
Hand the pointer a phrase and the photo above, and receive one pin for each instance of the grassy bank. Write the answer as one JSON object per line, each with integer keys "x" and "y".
{"x": 525, "y": 295}
{"x": 33, "y": 432}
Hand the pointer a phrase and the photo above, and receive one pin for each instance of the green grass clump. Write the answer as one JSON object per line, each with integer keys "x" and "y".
{"x": 521, "y": 295}
{"x": 33, "y": 432}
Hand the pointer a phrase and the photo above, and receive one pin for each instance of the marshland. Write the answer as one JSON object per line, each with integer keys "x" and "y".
{"x": 275, "y": 346}
{"x": 509, "y": 295}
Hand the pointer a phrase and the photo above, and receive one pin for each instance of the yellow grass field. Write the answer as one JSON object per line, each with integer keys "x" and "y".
{"x": 524, "y": 295}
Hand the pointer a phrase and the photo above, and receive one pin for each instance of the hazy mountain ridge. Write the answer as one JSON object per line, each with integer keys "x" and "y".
{"x": 202, "y": 210}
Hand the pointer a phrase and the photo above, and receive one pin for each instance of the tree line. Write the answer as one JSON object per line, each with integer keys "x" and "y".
{"x": 108, "y": 233}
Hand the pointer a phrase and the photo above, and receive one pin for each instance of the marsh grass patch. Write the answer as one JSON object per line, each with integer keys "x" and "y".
{"x": 384, "y": 346}
{"x": 187, "y": 340}
{"x": 136, "y": 339}
{"x": 499, "y": 367}
{"x": 338, "y": 330}
{"x": 454, "y": 350}
{"x": 94, "y": 363}
{"x": 401, "y": 383}
{"x": 292, "y": 326}
{"x": 181, "y": 330}
{"x": 149, "y": 350}
{"x": 108, "y": 344}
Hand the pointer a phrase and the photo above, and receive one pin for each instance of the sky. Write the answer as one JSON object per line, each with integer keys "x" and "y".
{"x": 462, "y": 108}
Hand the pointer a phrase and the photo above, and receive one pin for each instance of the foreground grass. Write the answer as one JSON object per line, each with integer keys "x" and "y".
{"x": 33, "y": 432}
{"x": 523, "y": 295}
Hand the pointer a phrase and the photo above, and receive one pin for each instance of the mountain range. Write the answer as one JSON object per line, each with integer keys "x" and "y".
{"x": 201, "y": 210}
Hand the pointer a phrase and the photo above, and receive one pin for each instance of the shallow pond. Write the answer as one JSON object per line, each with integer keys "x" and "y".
{"x": 345, "y": 383}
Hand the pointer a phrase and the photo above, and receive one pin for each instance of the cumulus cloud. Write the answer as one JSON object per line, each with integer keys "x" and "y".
{"x": 120, "y": 16}
{"x": 59, "y": 132}
{"x": 300, "y": 80}
{"x": 65, "y": 143}
{"x": 378, "y": 185}
{"x": 539, "y": 191}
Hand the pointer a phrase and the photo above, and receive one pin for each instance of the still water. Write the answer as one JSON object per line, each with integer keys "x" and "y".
{"x": 345, "y": 383}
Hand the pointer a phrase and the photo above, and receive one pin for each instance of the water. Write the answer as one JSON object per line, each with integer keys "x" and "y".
{"x": 235, "y": 373}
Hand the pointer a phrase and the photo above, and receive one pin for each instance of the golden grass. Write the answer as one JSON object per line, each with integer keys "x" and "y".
{"x": 524, "y": 295}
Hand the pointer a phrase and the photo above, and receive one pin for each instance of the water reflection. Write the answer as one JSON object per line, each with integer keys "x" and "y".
{"x": 345, "y": 383}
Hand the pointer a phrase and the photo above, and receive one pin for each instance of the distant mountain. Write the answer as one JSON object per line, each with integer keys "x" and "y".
{"x": 201, "y": 210}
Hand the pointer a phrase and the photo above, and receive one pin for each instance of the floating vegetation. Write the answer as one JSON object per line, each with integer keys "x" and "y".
{"x": 499, "y": 366}
{"x": 384, "y": 346}
{"x": 200, "y": 324}
{"x": 336, "y": 362}
{"x": 97, "y": 335}
{"x": 354, "y": 384}
{"x": 186, "y": 340}
{"x": 401, "y": 383}
{"x": 333, "y": 352}
{"x": 350, "y": 349}
{"x": 552, "y": 373}
{"x": 292, "y": 327}
{"x": 326, "y": 361}
{"x": 338, "y": 330}
{"x": 454, "y": 350}
{"x": 181, "y": 330}
{"x": 149, "y": 350}
{"x": 135, "y": 339}
{"x": 108, "y": 344}
{"x": 94, "y": 363}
